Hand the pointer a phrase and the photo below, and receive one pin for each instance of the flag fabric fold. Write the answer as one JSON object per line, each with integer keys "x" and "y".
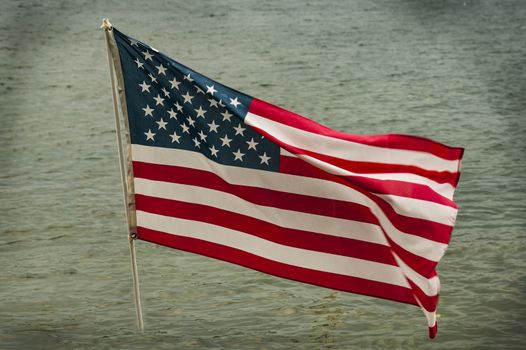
{"x": 222, "y": 174}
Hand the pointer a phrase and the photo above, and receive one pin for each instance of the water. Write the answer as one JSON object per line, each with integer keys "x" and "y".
{"x": 450, "y": 70}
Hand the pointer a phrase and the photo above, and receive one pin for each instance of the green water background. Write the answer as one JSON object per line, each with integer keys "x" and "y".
{"x": 454, "y": 71}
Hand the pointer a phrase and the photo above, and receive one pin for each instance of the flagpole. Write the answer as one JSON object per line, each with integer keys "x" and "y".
{"x": 126, "y": 185}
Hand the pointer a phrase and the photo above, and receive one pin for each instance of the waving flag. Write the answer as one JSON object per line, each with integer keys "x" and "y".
{"x": 222, "y": 174}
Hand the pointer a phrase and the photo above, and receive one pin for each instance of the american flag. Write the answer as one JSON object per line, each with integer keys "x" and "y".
{"x": 222, "y": 174}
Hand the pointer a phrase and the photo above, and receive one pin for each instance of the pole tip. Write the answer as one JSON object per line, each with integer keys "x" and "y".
{"x": 106, "y": 25}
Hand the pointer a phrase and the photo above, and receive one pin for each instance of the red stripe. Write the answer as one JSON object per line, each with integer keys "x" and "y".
{"x": 278, "y": 199}
{"x": 421, "y": 265}
{"x": 284, "y": 200}
{"x": 452, "y": 178}
{"x": 256, "y": 195}
{"x": 416, "y": 226}
{"x": 406, "y": 142}
{"x": 285, "y": 236}
{"x": 296, "y": 166}
{"x": 379, "y": 168}
{"x": 419, "y": 227}
{"x": 429, "y": 303}
{"x": 319, "y": 278}
{"x": 433, "y": 331}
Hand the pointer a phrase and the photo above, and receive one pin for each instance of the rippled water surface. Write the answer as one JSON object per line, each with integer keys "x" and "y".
{"x": 451, "y": 70}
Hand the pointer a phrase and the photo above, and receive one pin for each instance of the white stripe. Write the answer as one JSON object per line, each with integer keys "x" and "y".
{"x": 280, "y": 253}
{"x": 422, "y": 209}
{"x": 289, "y": 183}
{"x": 281, "y": 217}
{"x": 409, "y": 206}
{"x": 347, "y": 149}
{"x": 431, "y": 317}
{"x": 430, "y": 286}
{"x": 444, "y": 189}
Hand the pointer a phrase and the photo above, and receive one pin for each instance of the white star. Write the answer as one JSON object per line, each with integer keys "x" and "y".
{"x": 178, "y": 107}
{"x": 188, "y": 98}
{"x": 134, "y": 42}
{"x": 264, "y": 158}
{"x": 148, "y": 111}
{"x": 162, "y": 124}
{"x": 145, "y": 87}
{"x": 175, "y": 137}
{"x": 188, "y": 77}
{"x": 175, "y": 83}
{"x": 159, "y": 100}
{"x": 185, "y": 128}
{"x": 154, "y": 79}
{"x": 226, "y": 115}
{"x": 221, "y": 103}
{"x": 213, "y": 103}
{"x": 172, "y": 114}
{"x": 226, "y": 141}
{"x": 147, "y": 55}
{"x": 213, "y": 126}
{"x": 202, "y": 135}
{"x": 161, "y": 69}
{"x": 199, "y": 90}
{"x": 238, "y": 155}
{"x": 149, "y": 135}
{"x": 200, "y": 112}
{"x": 252, "y": 144}
{"x": 166, "y": 92}
{"x": 213, "y": 151}
{"x": 234, "y": 102}
{"x": 239, "y": 130}
{"x": 190, "y": 121}
{"x": 197, "y": 143}
{"x": 210, "y": 90}
{"x": 139, "y": 63}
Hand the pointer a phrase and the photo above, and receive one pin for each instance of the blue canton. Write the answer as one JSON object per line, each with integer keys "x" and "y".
{"x": 170, "y": 105}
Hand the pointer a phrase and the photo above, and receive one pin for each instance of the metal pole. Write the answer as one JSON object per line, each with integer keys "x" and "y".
{"x": 106, "y": 25}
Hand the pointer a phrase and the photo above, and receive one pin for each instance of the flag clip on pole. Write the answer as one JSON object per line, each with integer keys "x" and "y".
{"x": 125, "y": 164}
